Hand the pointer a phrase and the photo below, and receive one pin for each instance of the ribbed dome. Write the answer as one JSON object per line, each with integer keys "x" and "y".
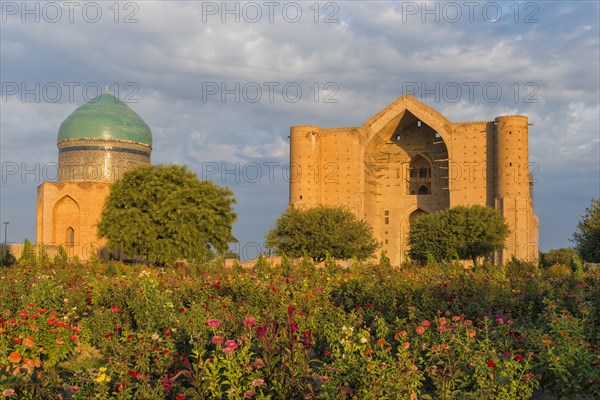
{"x": 105, "y": 118}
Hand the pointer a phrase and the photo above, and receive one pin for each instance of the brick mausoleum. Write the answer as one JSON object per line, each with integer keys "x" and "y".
{"x": 409, "y": 159}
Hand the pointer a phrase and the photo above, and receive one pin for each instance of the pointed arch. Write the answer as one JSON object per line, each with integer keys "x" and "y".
{"x": 392, "y": 114}
{"x": 407, "y": 219}
{"x": 66, "y": 214}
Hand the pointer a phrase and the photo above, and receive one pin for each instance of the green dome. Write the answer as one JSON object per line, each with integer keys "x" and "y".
{"x": 105, "y": 118}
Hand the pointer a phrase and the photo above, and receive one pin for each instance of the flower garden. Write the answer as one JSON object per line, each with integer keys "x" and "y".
{"x": 298, "y": 331}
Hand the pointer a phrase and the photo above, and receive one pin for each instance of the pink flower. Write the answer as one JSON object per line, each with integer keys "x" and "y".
{"x": 426, "y": 324}
{"x": 218, "y": 340}
{"x": 231, "y": 344}
{"x": 249, "y": 322}
{"x": 227, "y": 350}
{"x": 420, "y": 330}
{"x": 258, "y": 382}
{"x": 213, "y": 323}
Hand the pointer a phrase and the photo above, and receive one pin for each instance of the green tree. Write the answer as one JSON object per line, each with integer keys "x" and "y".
{"x": 318, "y": 230}
{"x": 587, "y": 234}
{"x": 28, "y": 257}
{"x": 165, "y": 213}
{"x": 463, "y": 232}
{"x": 61, "y": 258}
{"x": 566, "y": 256}
{"x": 430, "y": 238}
{"x": 8, "y": 258}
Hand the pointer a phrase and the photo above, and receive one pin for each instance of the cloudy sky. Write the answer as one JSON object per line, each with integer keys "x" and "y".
{"x": 221, "y": 83}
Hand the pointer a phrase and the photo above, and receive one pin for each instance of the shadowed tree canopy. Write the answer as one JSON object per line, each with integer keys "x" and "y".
{"x": 587, "y": 234}
{"x": 463, "y": 232}
{"x": 320, "y": 230}
{"x": 165, "y": 213}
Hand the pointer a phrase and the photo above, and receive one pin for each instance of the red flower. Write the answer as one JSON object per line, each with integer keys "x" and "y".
{"x": 491, "y": 364}
{"x": 52, "y": 321}
{"x": 73, "y": 338}
{"x": 181, "y": 309}
{"x": 115, "y": 309}
{"x": 261, "y": 331}
{"x": 291, "y": 310}
{"x": 519, "y": 357}
{"x": 108, "y": 335}
{"x": 249, "y": 322}
{"x": 17, "y": 340}
{"x": 134, "y": 374}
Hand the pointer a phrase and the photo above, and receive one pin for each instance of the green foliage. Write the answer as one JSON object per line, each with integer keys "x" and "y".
{"x": 8, "y": 258}
{"x": 558, "y": 271}
{"x": 587, "y": 234}
{"x": 61, "y": 257}
{"x": 164, "y": 213}
{"x": 460, "y": 232}
{"x": 28, "y": 257}
{"x": 43, "y": 257}
{"x": 319, "y": 230}
{"x": 566, "y": 256}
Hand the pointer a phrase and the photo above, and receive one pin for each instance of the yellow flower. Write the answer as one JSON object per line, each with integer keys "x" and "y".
{"x": 101, "y": 378}
{"x": 102, "y": 369}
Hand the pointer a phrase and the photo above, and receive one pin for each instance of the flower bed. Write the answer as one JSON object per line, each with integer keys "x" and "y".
{"x": 296, "y": 331}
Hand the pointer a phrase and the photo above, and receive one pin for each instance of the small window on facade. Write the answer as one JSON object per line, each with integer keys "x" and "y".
{"x": 387, "y": 220}
{"x": 387, "y": 212}
{"x": 70, "y": 237}
{"x": 300, "y": 197}
{"x": 397, "y": 138}
{"x": 423, "y": 190}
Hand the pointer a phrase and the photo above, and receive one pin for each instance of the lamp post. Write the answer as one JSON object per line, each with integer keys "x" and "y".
{"x": 5, "y": 249}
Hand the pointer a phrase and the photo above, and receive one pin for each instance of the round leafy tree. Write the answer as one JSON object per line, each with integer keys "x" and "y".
{"x": 587, "y": 234}
{"x": 320, "y": 230}
{"x": 463, "y": 232}
{"x": 165, "y": 213}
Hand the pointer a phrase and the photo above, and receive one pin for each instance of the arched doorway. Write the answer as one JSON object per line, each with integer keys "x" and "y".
{"x": 406, "y": 223}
